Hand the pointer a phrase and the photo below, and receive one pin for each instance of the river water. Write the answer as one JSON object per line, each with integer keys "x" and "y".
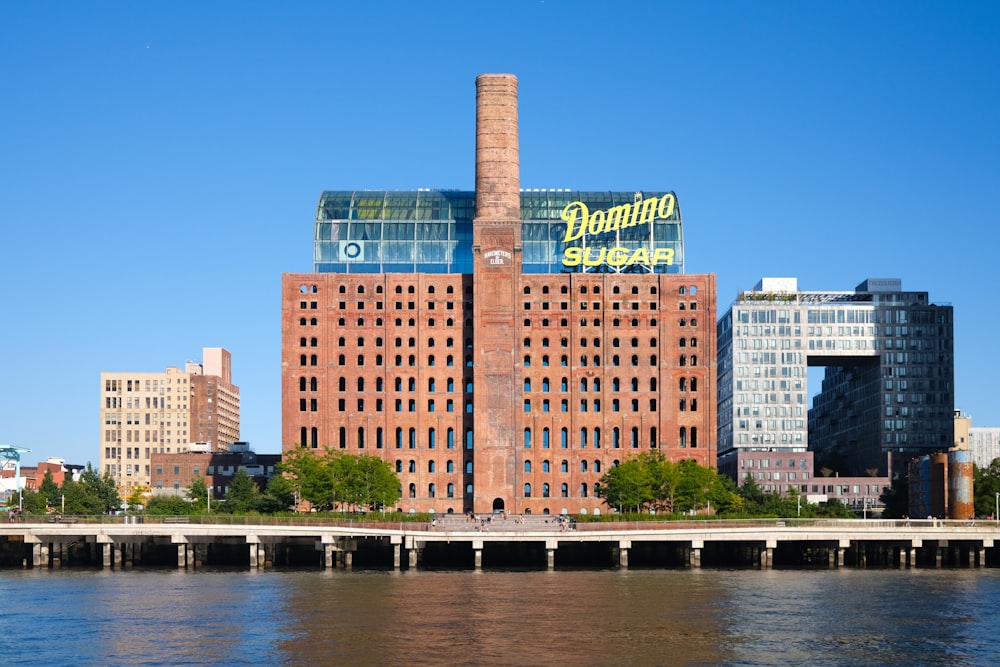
{"x": 574, "y": 618}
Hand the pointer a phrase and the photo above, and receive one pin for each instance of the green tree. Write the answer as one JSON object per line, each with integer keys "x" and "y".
{"x": 164, "y": 505}
{"x": 373, "y": 483}
{"x": 750, "y": 491}
{"x": 310, "y": 476}
{"x": 50, "y": 490}
{"x": 29, "y": 500}
{"x": 241, "y": 496}
{"x": 197, "y": 494}
{"x": 627, "y": 486}
{"x": 79, "y": 500}
{"x": 985, "y": 485}
{"x": 834, "y": 509}
{"x": 278, "y": 496}
{"x": 693, "y": 486}
{"x": 664, "y": 476}
{"x": 101, "y": 491}
{"x": 137, "y": 498}
{"x": 896, "y": 499}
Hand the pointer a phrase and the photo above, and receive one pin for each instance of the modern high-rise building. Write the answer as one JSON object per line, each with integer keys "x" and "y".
{"x": 888, "y": 391}
{"x": 501, "y": 348}
{"x": 164, "y": 412}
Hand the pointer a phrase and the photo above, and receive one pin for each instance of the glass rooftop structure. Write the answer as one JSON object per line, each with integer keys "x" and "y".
{"x": 430, "y": 231}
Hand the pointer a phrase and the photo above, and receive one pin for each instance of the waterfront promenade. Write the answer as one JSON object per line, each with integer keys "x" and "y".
{"x": 491, "y": 540}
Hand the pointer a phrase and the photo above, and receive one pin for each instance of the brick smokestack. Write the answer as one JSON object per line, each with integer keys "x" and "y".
{"x": 498, "y": 179}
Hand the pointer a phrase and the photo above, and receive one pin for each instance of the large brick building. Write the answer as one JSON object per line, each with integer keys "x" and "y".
{"x": 501, "y": 349}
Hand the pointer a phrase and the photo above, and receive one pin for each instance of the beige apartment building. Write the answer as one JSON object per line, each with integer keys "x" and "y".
{"x": 164, "y": 412}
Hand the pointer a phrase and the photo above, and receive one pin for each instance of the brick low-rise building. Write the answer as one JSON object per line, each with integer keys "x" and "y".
{"x": 173, "y": 473}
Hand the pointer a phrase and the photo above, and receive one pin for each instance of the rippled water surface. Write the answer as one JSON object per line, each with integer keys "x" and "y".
{"x": 676, "y": 617}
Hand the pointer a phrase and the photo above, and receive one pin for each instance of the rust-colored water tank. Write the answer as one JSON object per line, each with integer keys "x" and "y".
{"x": 961, "y": 500}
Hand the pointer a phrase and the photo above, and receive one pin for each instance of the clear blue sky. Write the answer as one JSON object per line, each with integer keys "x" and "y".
{"x": 160, "y": 163}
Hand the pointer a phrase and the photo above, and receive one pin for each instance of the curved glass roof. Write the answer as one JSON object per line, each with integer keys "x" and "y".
{"x": 430, "y": 231}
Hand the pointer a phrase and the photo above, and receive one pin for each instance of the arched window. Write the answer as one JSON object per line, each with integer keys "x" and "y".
{"x": 451, "y": 490}
{"x": 545, "y": 490}
{"x": 413, "y": 490}
{"x": 527, "y": 490}
{"x": 527, "y": 466}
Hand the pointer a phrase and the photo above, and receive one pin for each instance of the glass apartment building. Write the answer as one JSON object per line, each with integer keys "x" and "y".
{"x": 888, "y": 391}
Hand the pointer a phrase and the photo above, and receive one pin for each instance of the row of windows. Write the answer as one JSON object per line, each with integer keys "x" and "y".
{"x": 595, "y": 405}
{"x": 411, "y": 342}
{"x": 342, "y": 322}
{"x": 615, "y": 342}
{"x": 309, "y": 437}
{"x": 582, "y": 305}
{"x": 683, "y": 384}
{"x": 682, "y": 360}
{"x": 615, "y": 322}
{"x": 411, "y": 405}
{"x": 450, "y": 289}
{"x": 342, "y": 289}
{"x": 686, "y": 437}
{"x": 615, "y": 289}
{"x": 564, "y": 490}
{"x": 411, "y": 360}
{"x": 585, "y": 466}
{"x": 584, "y": 490}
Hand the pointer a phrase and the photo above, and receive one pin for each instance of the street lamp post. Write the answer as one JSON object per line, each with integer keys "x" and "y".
{"x": 996, "y": 515}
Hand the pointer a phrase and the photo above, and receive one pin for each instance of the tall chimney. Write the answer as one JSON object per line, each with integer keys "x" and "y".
{"x": 498, "y": 180}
